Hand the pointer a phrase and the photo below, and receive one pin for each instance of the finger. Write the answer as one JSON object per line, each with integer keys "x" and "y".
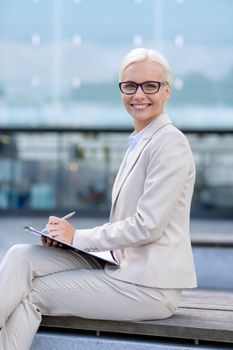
{"x": 49, "y": 242}
{"x": 54, "y": 244}
{"x": 52, "y": 234}
{"x": 43, "y": 240}
{"x": 46, "y": 241}
{"x": 54, "y": 220}
{"x": 52, "y": 227}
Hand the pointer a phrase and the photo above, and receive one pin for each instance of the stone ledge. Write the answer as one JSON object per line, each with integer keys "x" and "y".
{"x": 202, "y": 315}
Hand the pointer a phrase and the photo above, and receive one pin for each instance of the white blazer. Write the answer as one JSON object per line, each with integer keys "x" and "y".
{"x": 148, "y": 230}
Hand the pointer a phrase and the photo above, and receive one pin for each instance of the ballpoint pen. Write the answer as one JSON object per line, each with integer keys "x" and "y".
{"x": 68, "y": 215}
{"x": 64, "y": 218}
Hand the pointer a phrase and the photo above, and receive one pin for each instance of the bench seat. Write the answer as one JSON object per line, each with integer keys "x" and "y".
{"x": 202, "y": 315}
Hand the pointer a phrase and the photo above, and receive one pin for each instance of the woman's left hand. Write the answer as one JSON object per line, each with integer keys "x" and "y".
{"x": 60, "y": 229}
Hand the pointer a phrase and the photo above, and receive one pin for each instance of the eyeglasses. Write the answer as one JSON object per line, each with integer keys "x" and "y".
{"x": 148, "y": 87}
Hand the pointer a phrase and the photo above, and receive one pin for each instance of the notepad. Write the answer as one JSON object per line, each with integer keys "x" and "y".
{"x": 106, "y": 256}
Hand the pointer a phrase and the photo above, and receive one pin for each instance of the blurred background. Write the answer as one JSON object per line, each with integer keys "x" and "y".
{"x": 63, "y": 130}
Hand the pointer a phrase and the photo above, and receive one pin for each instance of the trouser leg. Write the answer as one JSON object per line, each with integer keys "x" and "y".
{"x": 20, "y": 328}
{"x": 19, "y": 318}
{"x": 93, "y": 294}
{"x": 36, "y": 280}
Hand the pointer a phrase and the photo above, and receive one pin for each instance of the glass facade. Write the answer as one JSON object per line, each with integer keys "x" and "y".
{"x": 59, "y": 170}
{"x": 59, "y": 63}
{"x": 65, "y": 170}
{"x": 59, "y": 59}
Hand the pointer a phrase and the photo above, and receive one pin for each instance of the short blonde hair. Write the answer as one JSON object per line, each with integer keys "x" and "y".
{"x": 142, "y": 54}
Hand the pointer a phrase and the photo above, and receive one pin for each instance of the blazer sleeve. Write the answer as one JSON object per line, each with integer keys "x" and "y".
{"x": 167, "y": 173}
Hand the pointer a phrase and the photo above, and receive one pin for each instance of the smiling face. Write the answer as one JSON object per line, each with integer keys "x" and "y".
{"x": 145, "y": 107}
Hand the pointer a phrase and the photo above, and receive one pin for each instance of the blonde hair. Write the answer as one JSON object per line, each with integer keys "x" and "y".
{"x": 142, "y": 54}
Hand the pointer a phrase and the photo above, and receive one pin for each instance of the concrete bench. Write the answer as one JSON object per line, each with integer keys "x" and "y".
{"x": 203, "y": 315}
{"x": 212, "y": 240}
{"x": 213, "y": 255}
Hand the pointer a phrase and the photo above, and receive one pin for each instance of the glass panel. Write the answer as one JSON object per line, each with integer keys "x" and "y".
{"x": 75, "y": 171}
{"x": 48, "y": 170}
{"x": 59, "y": 60}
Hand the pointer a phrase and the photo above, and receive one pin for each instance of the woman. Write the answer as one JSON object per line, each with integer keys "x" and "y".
{"x": 148, "y": 231}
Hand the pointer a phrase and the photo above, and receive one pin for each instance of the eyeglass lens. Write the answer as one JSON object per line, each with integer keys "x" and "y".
{"x": 148, "y": 87}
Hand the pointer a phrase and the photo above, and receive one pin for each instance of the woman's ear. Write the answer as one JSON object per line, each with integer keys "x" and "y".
{"x": 167, "y": 92}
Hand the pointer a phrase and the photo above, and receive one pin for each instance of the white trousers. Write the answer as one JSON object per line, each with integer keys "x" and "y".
{"x": 36, "y": 280}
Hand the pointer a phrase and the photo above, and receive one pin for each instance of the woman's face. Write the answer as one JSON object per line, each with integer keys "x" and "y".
{"x": 145, "y": 107}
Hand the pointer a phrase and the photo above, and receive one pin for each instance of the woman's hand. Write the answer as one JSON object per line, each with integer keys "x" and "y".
{"x": 58, "y": 229}
{"x": 48, "y": 242}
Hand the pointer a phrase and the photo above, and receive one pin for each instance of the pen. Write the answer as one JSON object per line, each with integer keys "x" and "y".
{"x": 67, "y": 216}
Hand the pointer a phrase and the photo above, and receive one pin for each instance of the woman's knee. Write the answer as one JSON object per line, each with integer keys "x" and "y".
{"x": 21, "y": 252}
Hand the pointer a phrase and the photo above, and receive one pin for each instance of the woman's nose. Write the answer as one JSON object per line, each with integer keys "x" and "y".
{"x": 139, "y": 92}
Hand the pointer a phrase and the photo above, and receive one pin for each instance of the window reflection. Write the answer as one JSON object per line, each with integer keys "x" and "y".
{"x": 59, "y": 69}
{"x": 64, "y": 46}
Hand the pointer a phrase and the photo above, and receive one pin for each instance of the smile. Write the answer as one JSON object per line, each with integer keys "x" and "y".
{"x": 140, "y": 106}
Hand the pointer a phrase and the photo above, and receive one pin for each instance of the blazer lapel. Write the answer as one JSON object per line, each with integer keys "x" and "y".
{"x": 126, "y": 167}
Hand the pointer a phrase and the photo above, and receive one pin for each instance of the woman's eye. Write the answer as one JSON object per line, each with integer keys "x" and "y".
{"x": 151, "y": 86}
{"x": 130, "y": 86}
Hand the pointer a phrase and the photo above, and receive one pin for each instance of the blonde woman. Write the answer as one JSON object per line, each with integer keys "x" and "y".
{"x": 148, "y": 229}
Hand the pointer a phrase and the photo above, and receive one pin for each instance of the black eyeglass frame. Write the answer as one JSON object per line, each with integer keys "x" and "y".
{"x": 160, "y": 83}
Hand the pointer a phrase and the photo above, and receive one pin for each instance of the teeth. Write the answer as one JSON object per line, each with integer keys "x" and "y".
{"x": 140, "y": 106}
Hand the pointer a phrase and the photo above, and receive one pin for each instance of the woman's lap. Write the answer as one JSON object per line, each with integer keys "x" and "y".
{"x": 91, "y": 293}
{"x": 67, "y": 283}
